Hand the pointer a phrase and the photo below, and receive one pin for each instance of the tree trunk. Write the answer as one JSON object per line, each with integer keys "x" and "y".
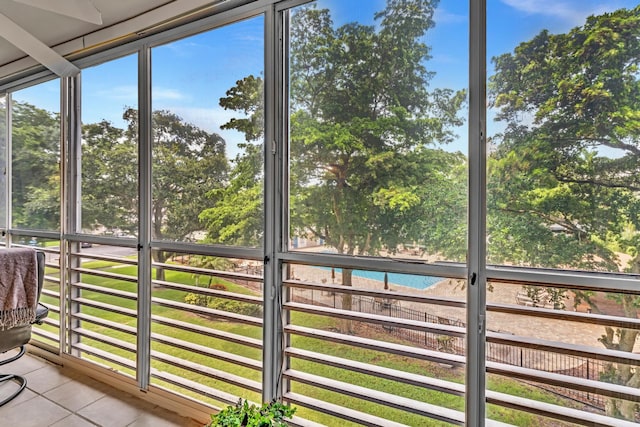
{"x": 156, "y": 255}
{"x": 160, "y": 257}
{"x": 347, "y": 300}
{"x": 618, "y": 373}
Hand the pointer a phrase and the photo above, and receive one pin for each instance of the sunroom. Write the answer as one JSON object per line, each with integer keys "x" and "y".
{"x": 383, "y": 213}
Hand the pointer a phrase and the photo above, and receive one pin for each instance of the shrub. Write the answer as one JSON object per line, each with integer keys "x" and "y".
{"x": 224, "y": 304}
{"x": 245, "y": 415}
{"x": 196, "y": 299}
{"x": 238, "y": 307}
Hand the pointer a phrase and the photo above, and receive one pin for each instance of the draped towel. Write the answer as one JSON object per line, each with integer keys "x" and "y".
{"x": 18, "y": 287}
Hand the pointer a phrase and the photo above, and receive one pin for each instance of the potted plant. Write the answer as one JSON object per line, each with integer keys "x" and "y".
{"x": 244, "y": 414}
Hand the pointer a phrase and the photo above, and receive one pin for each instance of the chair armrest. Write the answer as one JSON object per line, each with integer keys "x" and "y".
{"x": 42, "y": 311}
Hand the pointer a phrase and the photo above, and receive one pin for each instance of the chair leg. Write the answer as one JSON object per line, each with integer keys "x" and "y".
{"x": 16, "y": 357}
{"x": 22, "y": 382}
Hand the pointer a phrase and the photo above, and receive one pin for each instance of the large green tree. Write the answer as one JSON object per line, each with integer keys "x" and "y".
{"x": 237, "y": 216}
{"x": 109, "y": 178}
{"x": 363, "y": 125}
{"x": 569, "y": 161}
{"x": 35, "y": 170}
{"x": 364, "y": 172}
{"x": 187, "y": 163}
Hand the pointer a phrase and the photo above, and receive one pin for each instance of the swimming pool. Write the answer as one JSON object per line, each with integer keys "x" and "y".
{"x": 410, "y": 280}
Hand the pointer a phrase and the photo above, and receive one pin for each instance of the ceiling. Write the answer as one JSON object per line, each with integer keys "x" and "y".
{"x": 70, "y": 37}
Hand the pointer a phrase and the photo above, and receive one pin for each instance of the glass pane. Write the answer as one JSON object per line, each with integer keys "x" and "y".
{"x": 207, "y": 326}
{"x": 377, "y": 130}
{"x": 563, "y": 194}
{"x": 3, "y": 159}
{"x": 377, "y": 168}
{"x": 110, "y": 148}
{"x": 375, "y": 333}
{"x": 207, "y": 137}
{"x": 559, "y": 315}
{"x": 104, "y": 319}
{"x": 49, "y": 331}
{"x": 35, "y": 169}
{"x": 563, "y": 161}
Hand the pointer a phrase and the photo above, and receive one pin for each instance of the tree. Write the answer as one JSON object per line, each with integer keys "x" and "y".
{"x": 109, "y": 178}
{"x": 363, "y": 134}
{"x": 35, "y": 173}
{"x": 564, "y": 180}
{"x": 237, "y": 216}
{"x": 362, "y": 119}
{"x": 187, "y": 163}
{"x": 362, "y": 124}
{"x": 363, "y": 127}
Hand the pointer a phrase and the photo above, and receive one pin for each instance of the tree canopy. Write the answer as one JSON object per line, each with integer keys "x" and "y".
{"x": 362, "y": 119}
{"x": 187, "y": 163}
{"x": 109, "y": 178}
{"x": 564, "y": 178}
{"x": 569, "y": 154}
{"x": 35, "y": 173}
{"x": 364, "y": 134}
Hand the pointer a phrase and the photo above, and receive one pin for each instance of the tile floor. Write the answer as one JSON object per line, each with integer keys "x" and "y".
{"x": 60, "y": 397}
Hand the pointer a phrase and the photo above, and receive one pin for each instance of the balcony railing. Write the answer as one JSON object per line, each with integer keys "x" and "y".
{"x": 373, "y": 353}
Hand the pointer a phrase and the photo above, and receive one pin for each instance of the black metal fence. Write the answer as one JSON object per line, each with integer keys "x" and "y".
{"x": 579, "y": 367}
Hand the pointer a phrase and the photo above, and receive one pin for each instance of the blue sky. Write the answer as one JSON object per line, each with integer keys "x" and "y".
{"x": 190, "y": 75}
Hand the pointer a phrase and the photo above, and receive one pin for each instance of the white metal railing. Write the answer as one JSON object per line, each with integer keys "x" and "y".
{"x": 549, "y": 373}
{"x": 204, "y": 353}
{"x": 103, "y": 319}
{"x": 50, "y": 329}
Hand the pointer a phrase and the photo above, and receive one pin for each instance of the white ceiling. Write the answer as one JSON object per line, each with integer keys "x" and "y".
{"x": 68, "y": 36}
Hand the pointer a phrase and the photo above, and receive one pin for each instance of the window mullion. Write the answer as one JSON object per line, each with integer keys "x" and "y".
{"x": 70, "y": 154}
{"x": 144, "y": 219}
{"x": 272, "y": 351}
{"x": 477, "y": 278}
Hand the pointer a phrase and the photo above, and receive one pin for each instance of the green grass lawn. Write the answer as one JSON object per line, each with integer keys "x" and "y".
{"x": 319, "y": 322}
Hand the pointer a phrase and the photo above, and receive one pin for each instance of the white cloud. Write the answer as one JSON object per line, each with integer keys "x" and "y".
{"x": 127, "y": 93}
{"x": 210, "y": 119}
{"x": 444, "y": 58}
{"x": 573, "y": 12}
{"x": 162, "y": 94}
{"x": 443, "y": 16}
{"x": 186, "y": 48}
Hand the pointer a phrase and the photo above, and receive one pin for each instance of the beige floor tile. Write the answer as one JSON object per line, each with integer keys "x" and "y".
{"x": 110, "y": 411}
{"x": 73, "y": 421}
{"x": 75, "y": 395}
{"x": 46, "y": 378}
{"x": 163, "y": 418}
{"x": 7, "y": 388}
{"x": 59, "y": 397}
{"x": 24, "y": 365}
{"x": 36, "y": 412}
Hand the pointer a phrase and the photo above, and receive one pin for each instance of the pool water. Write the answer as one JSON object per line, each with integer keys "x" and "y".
{"x": 410, "y": 280}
